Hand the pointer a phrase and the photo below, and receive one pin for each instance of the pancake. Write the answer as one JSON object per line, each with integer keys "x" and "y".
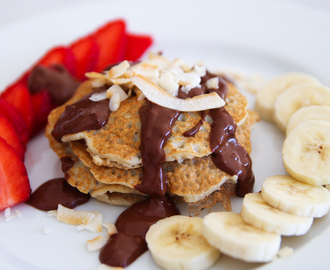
{"x": 117, "y": 143}
{"x": 107, "y": 163}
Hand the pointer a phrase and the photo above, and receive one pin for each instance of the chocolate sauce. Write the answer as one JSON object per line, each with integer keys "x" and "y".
{"x": 60, "y": 84}
{"x": 54, "y": 192}
{"x": 132, "y": 225}
{"x": 227, "y": 154}
{"x": 67, "y": 163}
{"x": 156, "y": 128}
{"x": 83, "y": 115}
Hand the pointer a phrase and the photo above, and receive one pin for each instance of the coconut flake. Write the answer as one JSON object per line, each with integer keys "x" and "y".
{"x": 47, "y": 230}
{"x": 119, "y": 69}
{"x": 18, "y": 213}
{"x": 96, "y": 244}
{"x": 95, "y": 225}
{"x": 155, "y": 94}
{"x": 111, "y": 228}
{"x": 98, "y": 96}
{"x": 212, "y": 83}
{"x": 117, "y": 89}
{"x": 285, "y": 252}
{"x": 114, "y": 102}
{"x": 190, "y": 79}
{"x": 74, "y": 216}
{"x": 107, "y": 267}
{"x": 51, "y": 213}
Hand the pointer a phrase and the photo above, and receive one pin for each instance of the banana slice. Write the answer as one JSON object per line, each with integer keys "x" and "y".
{"x": 266, "y": 96}
{"x": 259, "y": 214}
{"x": 177, "y": 243}
{"x": 295, "y": 197}
{"x": 296, "y": 97}
{"x": 313, "y": 112}
{"x": 228, "y": 232}
{"x": 306, "y": 152}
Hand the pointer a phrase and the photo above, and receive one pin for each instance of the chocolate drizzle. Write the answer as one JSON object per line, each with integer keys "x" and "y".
{"x": 132, "y": 225}
{"x": 156, "y": 128}
{"x": 54, "y": 192}
{"x": 82, "y": 115}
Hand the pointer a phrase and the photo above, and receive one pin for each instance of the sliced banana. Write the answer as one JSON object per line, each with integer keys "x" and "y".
{"x": 259, "y": 214}
{"x": 306, "y": 152}
{"x": 295, "y": 197}
{"x": 266, "y": 96}
{"x": 313, "y": 112}
{"x": 228, "y": 232}
{"x": 177, "y": 243}
{"x": 296, "y": 97}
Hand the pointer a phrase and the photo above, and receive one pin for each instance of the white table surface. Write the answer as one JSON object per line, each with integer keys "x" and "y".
{"x": 16, "y": 10}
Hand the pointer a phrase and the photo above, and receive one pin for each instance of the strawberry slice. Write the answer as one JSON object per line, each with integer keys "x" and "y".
{"x": 111, "y": 40}
{"x": 8, "y": 133}
{"x": 59, "y": 55}
{"x": 14, "y": 182}
{"x": 16, "y": 119}
{"x": 136, "y": 46}
{"x": 18, "y": 96}
{"x": 86, "y": 52}
{"x": 42, "y": 105}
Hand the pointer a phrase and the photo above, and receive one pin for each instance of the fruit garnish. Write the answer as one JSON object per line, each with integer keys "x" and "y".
{"x": 177, "y": 243}
{"x": 136, "y": 46}
{"x": 59, "y": 55}
{"x": 86, "y": 52}
{"x": 295, "y": 197}
{"x": 18, "y": 96}
{"x": 8, "y": 133}
{"x": 14, "y": 182}
{"x": 111, "y": 39}
{"x": 228, "y": 232}
{"x": 42, "y": 106}
{"x": 16, "y": 119}
{"x": 267, "y": 95}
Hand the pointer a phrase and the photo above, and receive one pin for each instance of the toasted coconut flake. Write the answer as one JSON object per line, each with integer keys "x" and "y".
{"x": 213, "y": 83}
{"x": 116, "y": 89}
{"x": 118, "y": 70}
{"x": 167, "y": 82}
{"x": 95, "y": 225}
{"x": 7, "y": 212}
{"x": 155, "y": 94}
{"x": 190, "y": 79}
{"x": 47, "y": 230}
{"x": 112, "y": 229}
{"x": 74, "y": 216}
{"x": 98, "y": 96}
{"x": 18, "y": 213}
{"x": 96, "y": 244}
{"x": 51, "y": 213}
{"x": 121, "y": 81}
{"x": 146, "y": 70}
{"x": 199, "y": 70}
{"x": 285, "y": 252}
{"x": 139, "y": 94}
{"x": 95, "y": 75}
{"x": 114, "y": 102}
{"x": 107, "y": 267}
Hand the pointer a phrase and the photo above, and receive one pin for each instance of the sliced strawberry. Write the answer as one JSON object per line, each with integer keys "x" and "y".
{"x": 86, "y": 52}
{"x": 42, "y": 105}
{"x": 8, "y": 133}
{"x": 59, "y": 55}
{"x": 136, "y": 46}
{"x": 16, "y": 119}
{"x": 14, "y": 182}
{"x": 18, "y": 96}
{"x": 110, "y": 39}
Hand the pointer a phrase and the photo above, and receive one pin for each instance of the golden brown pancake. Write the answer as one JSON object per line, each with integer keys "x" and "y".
{"x": 107, "y": 162}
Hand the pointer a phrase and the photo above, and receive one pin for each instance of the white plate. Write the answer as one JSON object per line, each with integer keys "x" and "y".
{"x": 264, "y": 37}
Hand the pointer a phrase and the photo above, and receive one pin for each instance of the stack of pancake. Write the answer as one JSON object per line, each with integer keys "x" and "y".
{"x": 107, "y": 162}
